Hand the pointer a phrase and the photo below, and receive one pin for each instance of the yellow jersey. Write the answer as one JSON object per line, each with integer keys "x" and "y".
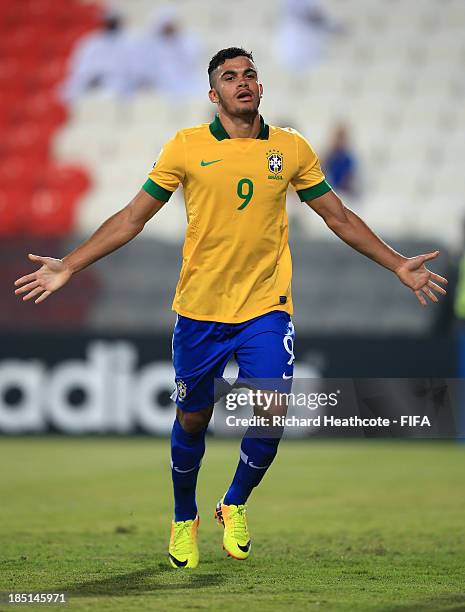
{"x": 236, "y": 258}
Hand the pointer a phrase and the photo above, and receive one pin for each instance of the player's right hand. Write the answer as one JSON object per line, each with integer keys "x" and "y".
{"x": 52, "y": 275}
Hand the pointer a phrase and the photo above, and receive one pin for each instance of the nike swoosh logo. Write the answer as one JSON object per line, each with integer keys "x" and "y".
{"x": 287, "y": 377}
{"x": 244, "y": 548}
{"x": 177, "y": 562}
{"x": 208, "y": 163}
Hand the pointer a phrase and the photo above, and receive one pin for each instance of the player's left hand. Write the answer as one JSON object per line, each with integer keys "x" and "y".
{"x": 420, "y": 280}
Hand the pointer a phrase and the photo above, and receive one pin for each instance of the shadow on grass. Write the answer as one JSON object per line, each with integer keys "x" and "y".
{"x": 142, "y": 581}
{"x": 447, "y": 601}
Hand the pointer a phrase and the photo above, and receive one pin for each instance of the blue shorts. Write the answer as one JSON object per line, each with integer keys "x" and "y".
{"x": 263, "y": 348}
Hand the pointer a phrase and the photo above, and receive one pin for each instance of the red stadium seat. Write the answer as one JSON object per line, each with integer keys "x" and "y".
{"x": 17, "y": 172}
{"x": 62, "y": 42}
{"x": 42, "y": 108}
{"x": 10, "y": 224}
{"x": 46, "y": 8}
{"x": 36, "y": 37}
{"x": 22, "y": 41}
{"x": 66, "y": 178}
{"x": 28, "y": 138}
{"x": 13, "y": 204}
{"x": 51, "y": 212}
{"x": 48, "y": 73}
{"x": 10, "y": 71}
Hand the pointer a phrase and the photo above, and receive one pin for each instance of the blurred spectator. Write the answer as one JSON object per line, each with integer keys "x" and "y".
{"x": 340, "y": 163}
{"x": 166, "y": 57}
{"x": 302, "y": 32}
{"x": 100, "y": 61}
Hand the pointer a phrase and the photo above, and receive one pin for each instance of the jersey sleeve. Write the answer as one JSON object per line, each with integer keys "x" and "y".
{"x": 309, "y": 180}
{"x": 168, "y": 170}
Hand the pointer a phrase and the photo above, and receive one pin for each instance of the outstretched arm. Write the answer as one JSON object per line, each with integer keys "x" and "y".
{"x": 356, "y": 233}
{"x": 116, "y": 231}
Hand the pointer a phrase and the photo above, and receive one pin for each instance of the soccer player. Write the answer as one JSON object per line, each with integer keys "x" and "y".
{"x": 233, "y": 297}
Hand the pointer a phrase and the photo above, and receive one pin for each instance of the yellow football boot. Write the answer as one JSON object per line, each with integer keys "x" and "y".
{"x": 236, "y": 538}
{"x": 183, "y": 550}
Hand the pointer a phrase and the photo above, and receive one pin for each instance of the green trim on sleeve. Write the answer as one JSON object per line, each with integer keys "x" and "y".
{"x": 157, "y": 192}
{"x": 314, "y": 192}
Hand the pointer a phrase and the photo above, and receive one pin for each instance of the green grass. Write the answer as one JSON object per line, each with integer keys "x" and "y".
{"x": 353, "y": 525}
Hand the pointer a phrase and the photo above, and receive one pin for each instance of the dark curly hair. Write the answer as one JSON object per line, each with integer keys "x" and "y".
{"x": 223, "y": 55}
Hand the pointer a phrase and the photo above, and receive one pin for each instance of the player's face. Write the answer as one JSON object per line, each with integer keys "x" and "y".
{"x": 236, "y": 88}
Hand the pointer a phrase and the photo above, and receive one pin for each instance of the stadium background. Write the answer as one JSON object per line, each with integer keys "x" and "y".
{"x": 394, "y": 76}
{"x": 378, "y": 524}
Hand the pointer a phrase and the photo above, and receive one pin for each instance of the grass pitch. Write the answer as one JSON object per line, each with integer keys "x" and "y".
{"x": 353, "y": 525}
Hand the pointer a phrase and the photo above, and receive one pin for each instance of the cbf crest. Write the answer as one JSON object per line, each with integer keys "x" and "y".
{"x": 182, "y": 390}
{"x": 275, "y": 162}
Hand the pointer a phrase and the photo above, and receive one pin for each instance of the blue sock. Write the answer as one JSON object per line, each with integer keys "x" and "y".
{"x": 187, "y": 450}
{"x": 257, "y": 455}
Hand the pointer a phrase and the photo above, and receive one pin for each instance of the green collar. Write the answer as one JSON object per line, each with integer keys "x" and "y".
{"x": 218, "y": 131}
